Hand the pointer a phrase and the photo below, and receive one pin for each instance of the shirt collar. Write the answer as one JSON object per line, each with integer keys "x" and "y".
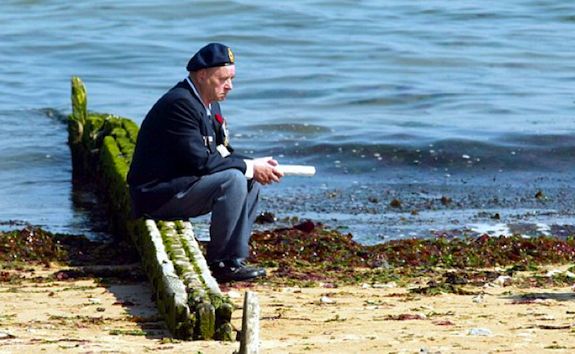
{"x": 208, "y": 107}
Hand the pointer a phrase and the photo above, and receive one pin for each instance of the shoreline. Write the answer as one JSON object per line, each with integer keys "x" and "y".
{"x": 377, "y": 209}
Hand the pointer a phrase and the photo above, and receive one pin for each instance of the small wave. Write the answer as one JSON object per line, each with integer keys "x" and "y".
{"x": 54, "y": 114}
{"x": 275, "y": 93}
{"x": 410, "y": 99}
{"x": 292, "y": 128}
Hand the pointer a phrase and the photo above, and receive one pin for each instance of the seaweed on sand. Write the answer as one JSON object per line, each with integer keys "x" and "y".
{"x": 35, "y": 245}
{"x": 311, "y": 254}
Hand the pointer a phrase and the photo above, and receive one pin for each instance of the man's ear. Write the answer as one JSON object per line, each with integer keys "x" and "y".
{"x": 201, "y": 75}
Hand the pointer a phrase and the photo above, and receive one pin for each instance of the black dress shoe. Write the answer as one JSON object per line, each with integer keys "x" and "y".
{"x": 235, "y": 270}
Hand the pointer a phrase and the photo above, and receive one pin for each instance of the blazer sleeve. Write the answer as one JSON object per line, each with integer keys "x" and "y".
{"x": 186, "y": 132}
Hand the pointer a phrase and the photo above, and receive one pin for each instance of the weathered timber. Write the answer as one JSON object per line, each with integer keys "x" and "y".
{"x": 250, "y": 335}
{"x": 186, "y": 294}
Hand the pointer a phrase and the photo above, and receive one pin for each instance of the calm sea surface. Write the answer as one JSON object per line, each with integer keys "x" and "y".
{"x": 462, "y": 113}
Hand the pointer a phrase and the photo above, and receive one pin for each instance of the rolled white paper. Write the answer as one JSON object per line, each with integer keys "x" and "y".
{"x": 296, "y": 170}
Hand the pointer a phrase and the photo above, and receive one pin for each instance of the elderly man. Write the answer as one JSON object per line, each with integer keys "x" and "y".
{"x": 183, "y": 165}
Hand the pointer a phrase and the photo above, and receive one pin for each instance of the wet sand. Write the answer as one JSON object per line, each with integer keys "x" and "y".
{"x": 405, "y": 204}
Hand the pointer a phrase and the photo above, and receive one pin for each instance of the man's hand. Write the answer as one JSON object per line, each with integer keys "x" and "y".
{"x": 265, "y": 171}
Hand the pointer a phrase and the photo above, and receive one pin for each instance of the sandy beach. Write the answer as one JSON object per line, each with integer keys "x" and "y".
{"x": 41, "y": 312}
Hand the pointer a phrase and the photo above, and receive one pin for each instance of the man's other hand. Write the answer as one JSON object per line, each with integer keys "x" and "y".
{"x": 265, "y": 171}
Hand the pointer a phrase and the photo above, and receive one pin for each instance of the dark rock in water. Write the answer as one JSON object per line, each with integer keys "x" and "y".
{"x": 306, "y": 226}
{"x": 445, "y": 200}
{"x": 496, "y": 216}
{"x": 373, "y": 200}
{"x": 266, "y": 218}
{"x": 396, "y": 203}
{"x": 15, "y": 223}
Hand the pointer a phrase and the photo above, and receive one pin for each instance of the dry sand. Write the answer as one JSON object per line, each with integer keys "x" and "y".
{"x": 84, "y": 316}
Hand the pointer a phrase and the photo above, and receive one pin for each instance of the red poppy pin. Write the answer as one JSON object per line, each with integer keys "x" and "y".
{"x": 219, "y": 118}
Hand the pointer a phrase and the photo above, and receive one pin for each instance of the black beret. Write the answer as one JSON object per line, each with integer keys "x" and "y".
{"x": 213, "y": 54}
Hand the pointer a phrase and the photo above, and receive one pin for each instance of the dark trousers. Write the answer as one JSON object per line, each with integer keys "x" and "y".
{"x": 233, "y": 202}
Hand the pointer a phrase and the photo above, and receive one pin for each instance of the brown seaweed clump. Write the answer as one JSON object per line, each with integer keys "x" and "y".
{"x": 316, "y": 254}
{"x": 35, "y": 245}
{"x": 30, "y": 244}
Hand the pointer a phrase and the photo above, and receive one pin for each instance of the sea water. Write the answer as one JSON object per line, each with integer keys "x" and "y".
{"x": 420, "y": 117}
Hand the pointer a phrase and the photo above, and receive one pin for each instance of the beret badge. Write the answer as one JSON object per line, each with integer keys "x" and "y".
{"x": 230, "y": 55}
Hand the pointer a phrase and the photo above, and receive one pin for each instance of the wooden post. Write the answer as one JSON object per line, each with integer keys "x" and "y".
{"x": 79, "y": 111}
{"x": 249, "y": 340}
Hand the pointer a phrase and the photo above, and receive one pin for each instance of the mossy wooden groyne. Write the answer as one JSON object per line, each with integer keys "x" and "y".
{"x": 187, "y": 295}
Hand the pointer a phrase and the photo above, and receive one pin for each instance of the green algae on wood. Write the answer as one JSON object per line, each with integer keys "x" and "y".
{"x": 206, "y": 316}
{"x": 79, "y": 110}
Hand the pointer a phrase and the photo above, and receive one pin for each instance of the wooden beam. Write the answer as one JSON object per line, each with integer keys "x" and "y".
{"x": 249, "y": 340}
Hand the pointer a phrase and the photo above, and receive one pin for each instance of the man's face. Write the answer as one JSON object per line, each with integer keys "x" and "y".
{"x": 217, "y": 82}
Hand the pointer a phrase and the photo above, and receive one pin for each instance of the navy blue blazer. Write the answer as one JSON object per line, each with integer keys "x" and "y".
{"x": 176, "y": 145}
